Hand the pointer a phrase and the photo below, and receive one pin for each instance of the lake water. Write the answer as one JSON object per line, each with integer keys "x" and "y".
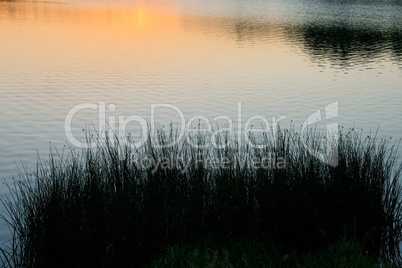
{"x": 203, "y": 58}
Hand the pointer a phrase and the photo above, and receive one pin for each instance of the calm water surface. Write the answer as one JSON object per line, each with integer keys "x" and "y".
{"x": 278, "y": 58}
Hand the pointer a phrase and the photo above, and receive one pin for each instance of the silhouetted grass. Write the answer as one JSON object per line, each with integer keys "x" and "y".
{"x": 100, "y": 207}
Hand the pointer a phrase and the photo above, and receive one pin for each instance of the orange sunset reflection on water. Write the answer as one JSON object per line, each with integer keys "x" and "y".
{"x": 137, "y": 42}
{"x": 92, "y": 28}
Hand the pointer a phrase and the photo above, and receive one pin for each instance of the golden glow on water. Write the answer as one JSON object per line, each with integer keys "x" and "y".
{"x": 163, "y": 41}
{"x": 39, "y": 32}
{"x": 44, "y": 23}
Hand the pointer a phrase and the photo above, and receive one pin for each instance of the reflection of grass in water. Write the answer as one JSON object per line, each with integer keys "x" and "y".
{"x": 96, "y": 207}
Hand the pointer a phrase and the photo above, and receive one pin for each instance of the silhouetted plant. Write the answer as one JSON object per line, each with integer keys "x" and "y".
{"x": 100, "y": 207}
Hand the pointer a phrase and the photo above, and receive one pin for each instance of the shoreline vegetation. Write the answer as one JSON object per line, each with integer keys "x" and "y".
{"x": 104, "y": 207}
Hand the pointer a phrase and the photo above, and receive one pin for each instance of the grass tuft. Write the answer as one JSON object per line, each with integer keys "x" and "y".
{"x": 118, "y": 206}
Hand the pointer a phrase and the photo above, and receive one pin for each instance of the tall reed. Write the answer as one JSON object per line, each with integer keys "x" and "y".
{"x": 118, "y": 206}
